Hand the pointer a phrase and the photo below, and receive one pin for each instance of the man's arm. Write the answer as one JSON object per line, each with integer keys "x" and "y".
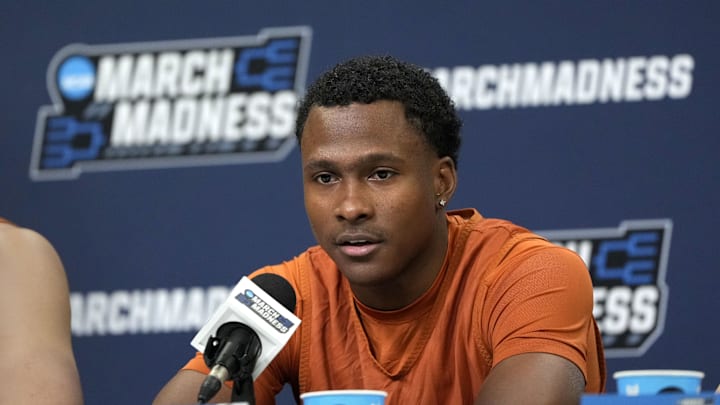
{"x": 533, "y": 378}
{"x": 38, "y": 365}
{"x": 183, "y": 390}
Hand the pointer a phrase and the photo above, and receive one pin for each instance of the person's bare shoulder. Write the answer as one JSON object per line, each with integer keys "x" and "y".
{"x": 35, "y": 307}
{"x": 33, "y": 283}
{"x": 29, "y": 262}
{"x": 15, "y": 240}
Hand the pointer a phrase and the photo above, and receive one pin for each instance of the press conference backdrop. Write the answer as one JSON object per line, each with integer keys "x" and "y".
{"x": 152, "y": 143}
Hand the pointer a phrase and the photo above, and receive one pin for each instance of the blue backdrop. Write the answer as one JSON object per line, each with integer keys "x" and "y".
{"x": 592, "y": 121}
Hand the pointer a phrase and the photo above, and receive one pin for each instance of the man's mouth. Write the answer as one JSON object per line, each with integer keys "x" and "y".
{"x": 356, "y": 242}
{"x": 357, "y": 245}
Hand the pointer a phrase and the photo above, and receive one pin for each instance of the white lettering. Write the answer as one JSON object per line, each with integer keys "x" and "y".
{"x": 113, "y": 79}
{"x": 282, "y": 119}
{"x": 185, "y": 120}
{"x": 258, "y": 116}
{"x": 617, "y": 307}
{"x": 564, "y": 92}
{"x": 681, "y": 76}
{"x": 537, "y": 83}
{"x": 486, "y": 77}
{"x": 143, "y": 78}
{"x": 210, "y": 119}
{"x": 129, "y": 123}
{"x": 657, "y": 80}
{"x": 144, "y": 311}
{"x": 191, "y": 83}
{"x": 507, "y": 86}
{"x": 234, "y": 117}
{"x": 462, "y": 81}
{"x": 644, "y": 309}
{"x": 218, "y": 71}
{"x": 634, "y": 79}
{"x": 611, "y": 85}
{"x": 158, "y": 128}
{"x": 567, "y": 82}
{"x": 588, "y": 79}
{"x": 167, "y": 74}
{"x": 620, "y": 309}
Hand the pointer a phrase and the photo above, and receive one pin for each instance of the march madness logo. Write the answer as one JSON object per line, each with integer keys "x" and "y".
{"x": 627, "y": 265}
{"x": 264, "y": 311}
{"x": 171, "y": 104}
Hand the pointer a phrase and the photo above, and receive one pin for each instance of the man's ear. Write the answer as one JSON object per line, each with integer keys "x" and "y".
{"x": 445, "y": 178}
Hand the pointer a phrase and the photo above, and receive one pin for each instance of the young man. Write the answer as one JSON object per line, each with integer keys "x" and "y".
{"x": 38, "y": 364}
{"x": 432, "y": 306}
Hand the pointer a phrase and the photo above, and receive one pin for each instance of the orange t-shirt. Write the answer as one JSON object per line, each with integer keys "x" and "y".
{"x": 502, "y": 291}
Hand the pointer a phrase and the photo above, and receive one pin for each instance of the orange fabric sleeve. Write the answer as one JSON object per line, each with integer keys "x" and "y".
{"x": 197, "y": 363}
{"x": 542, "y": 305}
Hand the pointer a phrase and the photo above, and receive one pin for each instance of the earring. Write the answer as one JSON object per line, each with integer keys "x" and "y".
{"x": 442, "y": 201}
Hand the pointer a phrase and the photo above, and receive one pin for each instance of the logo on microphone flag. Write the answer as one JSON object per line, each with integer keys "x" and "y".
{"x": 264, "y": 310}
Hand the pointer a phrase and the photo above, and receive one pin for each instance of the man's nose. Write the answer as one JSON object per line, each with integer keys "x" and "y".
{"x": 354, "y": 203}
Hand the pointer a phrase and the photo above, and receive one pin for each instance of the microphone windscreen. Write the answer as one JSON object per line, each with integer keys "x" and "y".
{"x": 278, "y": 288}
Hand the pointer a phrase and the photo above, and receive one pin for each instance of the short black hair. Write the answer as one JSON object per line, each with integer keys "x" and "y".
{"x": 367, "y": 79}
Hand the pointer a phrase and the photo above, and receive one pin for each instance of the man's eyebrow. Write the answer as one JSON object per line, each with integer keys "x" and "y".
{"x": 364, "y": 160}
{"x": 319, "y": 164}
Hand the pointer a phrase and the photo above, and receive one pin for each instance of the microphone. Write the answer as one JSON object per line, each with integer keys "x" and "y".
{"x": 250, "y": 328}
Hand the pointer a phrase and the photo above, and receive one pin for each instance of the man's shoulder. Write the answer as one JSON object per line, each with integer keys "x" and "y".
{"x": 495, "y": 242}
{"x": 471, "y": 219}
{"x": 469, "y": 223}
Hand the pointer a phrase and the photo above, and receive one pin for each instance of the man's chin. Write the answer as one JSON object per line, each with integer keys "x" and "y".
{"x": 365, "y": 276}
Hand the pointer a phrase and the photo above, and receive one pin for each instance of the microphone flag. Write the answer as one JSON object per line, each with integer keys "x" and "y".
{"x": 256, "y": 308}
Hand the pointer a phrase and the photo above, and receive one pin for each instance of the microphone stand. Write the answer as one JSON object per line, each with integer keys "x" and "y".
{"x": 236, "y": 349}
{"x": 243, "y": 390}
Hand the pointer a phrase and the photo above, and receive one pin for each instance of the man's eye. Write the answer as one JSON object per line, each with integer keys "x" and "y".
{"x": 324, "y": 178}
{"x": 382, "y": 174}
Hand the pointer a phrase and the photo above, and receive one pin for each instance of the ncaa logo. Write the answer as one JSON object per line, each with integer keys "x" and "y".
{"x": 171, "y": 104}
{"x": 627, "y": 265}
{"x": 264, "y": 310}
